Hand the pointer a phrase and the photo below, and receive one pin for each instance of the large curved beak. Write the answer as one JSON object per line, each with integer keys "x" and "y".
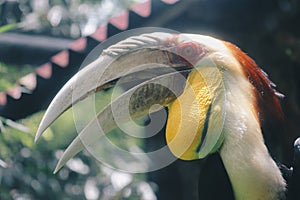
{"x": 122, "y": 59}
{"x": 135, "y": 102}
{"x": 152, "y": 70}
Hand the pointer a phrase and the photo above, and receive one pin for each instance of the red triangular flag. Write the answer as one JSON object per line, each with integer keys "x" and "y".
{"x": 101, "y": 33}
{"x": 121, "y": 21}
{"x": 61, "y": 59}
{"x": 44, "y": 71}
{"x": 142, "y": 9}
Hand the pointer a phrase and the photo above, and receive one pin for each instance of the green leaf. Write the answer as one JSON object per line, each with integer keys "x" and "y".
{"x": 8, "y": 27}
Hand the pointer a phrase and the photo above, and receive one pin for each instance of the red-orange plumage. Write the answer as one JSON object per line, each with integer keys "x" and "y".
{"x": 267, "y": 104}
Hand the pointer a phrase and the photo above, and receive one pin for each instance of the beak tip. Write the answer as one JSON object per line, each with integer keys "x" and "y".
{"x": 56, "y": 169}
{"x": 37, "y": 137}
{"x": 60, "y": 164}
{"x": 39, "y": 133}
{"x": 44, "y": 124}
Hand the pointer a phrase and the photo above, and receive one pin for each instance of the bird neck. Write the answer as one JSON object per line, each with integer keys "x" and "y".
{"x": 252, "y": 171}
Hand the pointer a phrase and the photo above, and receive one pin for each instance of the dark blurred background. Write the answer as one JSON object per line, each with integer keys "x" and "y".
{"x": 32, "y": 31}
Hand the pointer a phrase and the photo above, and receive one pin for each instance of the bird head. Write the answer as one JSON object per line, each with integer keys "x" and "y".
{"x": 187, "y": 73}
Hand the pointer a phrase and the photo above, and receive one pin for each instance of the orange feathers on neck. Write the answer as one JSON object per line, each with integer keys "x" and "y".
{"x": 267, "y": 102}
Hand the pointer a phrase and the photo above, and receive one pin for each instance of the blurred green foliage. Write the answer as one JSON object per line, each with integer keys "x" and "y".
{"x": 26, "y": 167}
{"x": 8, "y": 27}
{"x": 9, "y": 75}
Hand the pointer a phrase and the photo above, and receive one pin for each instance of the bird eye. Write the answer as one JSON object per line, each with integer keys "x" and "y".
{"x": 190, "y": 52}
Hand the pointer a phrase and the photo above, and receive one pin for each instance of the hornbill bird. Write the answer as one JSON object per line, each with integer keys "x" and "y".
{"x": 218, "y": 108}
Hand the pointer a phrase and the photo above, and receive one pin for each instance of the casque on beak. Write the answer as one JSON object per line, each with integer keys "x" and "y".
{"x": 103, "y": 73}
{"x": 145, "y": 61}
